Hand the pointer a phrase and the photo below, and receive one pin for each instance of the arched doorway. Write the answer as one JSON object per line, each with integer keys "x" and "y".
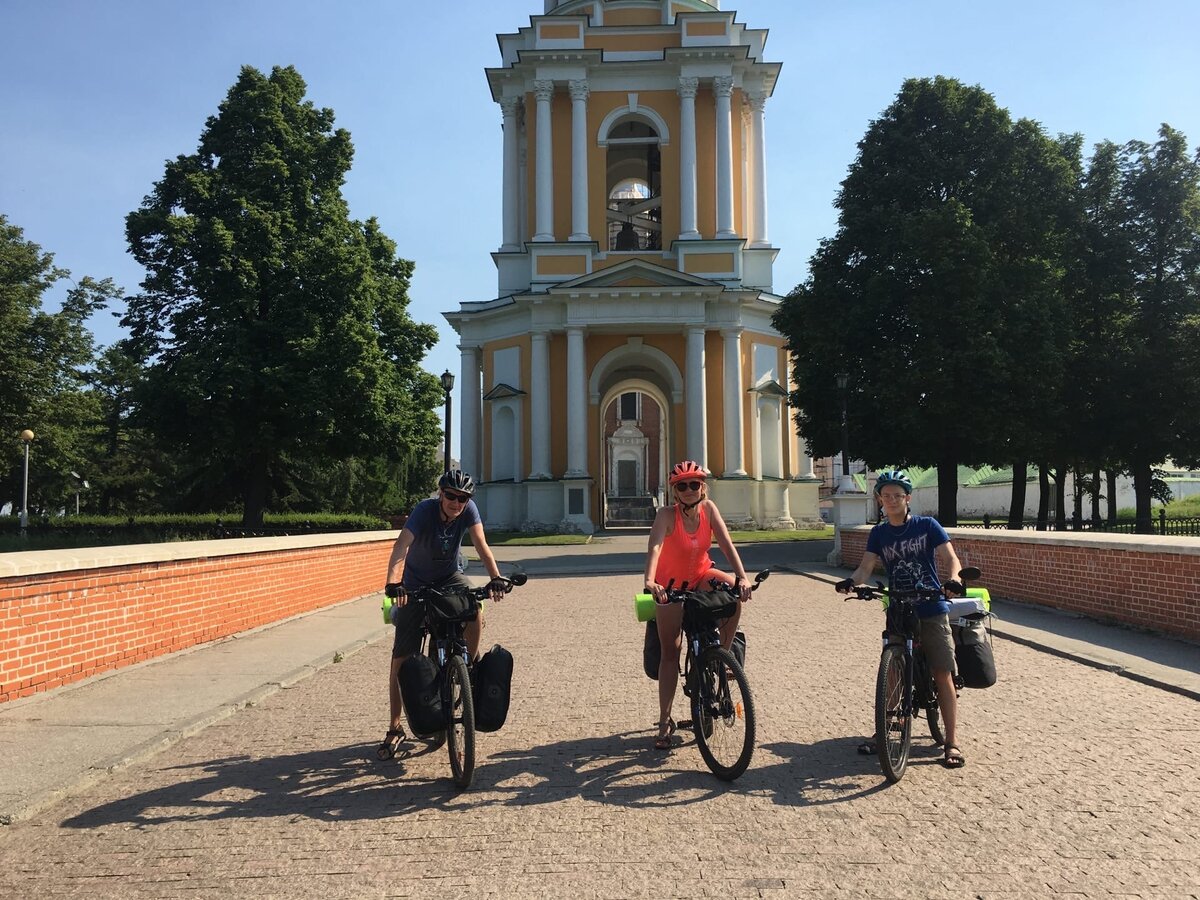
{"x": 634, "y": 426}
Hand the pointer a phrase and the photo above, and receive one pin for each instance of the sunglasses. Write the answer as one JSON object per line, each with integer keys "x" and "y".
{"x": 689, "y": 485}
{"x": 456, "y": 498}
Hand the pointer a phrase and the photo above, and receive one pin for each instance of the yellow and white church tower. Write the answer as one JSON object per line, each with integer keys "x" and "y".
{"x": 632, "y": 323}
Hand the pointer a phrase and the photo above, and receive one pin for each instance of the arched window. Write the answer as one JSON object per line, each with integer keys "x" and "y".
{"x": 634, "y": 179}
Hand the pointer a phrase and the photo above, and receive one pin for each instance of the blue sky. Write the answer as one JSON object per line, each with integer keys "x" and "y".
{"x": 95, "y": 96}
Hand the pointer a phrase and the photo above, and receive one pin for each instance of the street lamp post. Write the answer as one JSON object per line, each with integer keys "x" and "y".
{"x": 80, "y": 482}
{"x": 447, "y": 387}
{"x": 27, "y": 437}
{"x": 843, "y": 381}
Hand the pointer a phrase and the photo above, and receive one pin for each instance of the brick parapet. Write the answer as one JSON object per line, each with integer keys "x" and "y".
{"x": 68, "y": 615}
{"x": 1137, "y": 580}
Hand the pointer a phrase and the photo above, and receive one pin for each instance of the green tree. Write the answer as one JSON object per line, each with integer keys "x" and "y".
{"x": 275, "y": 327}
{"x": 943, "y": 261}
{"x": 1157, "y": 397}
{"x": 44, "y": 359}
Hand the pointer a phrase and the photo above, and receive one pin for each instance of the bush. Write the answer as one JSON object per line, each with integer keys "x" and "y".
{"x": 95, "y": 531}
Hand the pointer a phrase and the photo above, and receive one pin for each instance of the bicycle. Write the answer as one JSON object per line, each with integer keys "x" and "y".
{"x": 714, "y": 680}
{"x": 904, "y": 685}
{"x": 443, "y": 641}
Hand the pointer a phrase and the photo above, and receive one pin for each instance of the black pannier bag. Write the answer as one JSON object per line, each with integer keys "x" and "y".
{"x": 492, "y": 688}
{"x": 973, "y": 653}
{"x": 422, "y": 695}
{"x": 651, "y": 650}
{"x": 739, "y": 648}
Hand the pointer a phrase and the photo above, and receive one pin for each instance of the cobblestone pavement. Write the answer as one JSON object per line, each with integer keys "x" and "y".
{"x": 1078, "y": 782}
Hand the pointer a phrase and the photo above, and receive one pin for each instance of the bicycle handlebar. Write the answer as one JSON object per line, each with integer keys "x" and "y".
{"x": 878, "y": 591}
{"x": 506, "y": 584}
{"x": 681, "y": 593}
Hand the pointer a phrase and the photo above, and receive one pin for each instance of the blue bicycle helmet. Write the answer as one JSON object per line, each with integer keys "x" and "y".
{"x": 894, "y": 476}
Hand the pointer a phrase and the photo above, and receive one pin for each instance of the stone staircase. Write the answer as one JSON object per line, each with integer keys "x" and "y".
{"x": 629, "y": 512}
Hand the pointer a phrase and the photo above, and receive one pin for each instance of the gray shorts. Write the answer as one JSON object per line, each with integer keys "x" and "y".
{"x": 410, "y": 619}
{"x": 937, "y": 643}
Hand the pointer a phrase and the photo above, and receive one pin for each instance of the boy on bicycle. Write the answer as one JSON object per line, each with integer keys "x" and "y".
{"x": 911, "y": 547}
{"x": 426, "y": 554}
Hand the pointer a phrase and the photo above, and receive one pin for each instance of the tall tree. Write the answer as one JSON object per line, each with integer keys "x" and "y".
{"x": 936, "y": 276}
{"x": 275, "y": 327}
{"x": 44, "y": 359}
{"x": 1156, "y": 400}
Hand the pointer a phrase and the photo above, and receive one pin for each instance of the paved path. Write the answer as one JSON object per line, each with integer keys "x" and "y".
{"x": 237, "y": 775}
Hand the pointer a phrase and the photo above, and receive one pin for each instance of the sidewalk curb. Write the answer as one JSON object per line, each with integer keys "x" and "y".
{"x": 164, "y": 741}
{"x": 1123, "y": 671}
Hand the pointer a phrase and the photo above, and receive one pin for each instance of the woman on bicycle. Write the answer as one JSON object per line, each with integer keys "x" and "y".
{"x": 678, "y": 555}
{"x": 910, "y": 548}
{"x": 426, "y": 554}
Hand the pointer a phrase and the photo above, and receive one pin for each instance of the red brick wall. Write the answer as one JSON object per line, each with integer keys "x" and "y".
{"x": 61, "y": 626}
{"x": 1135, "y": 579}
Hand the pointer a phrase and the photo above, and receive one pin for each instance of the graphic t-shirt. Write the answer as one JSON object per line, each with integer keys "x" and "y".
{"x": 907, "y": 552}
{"x": 433, "y": 556}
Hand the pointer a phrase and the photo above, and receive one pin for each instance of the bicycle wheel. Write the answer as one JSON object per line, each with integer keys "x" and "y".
{"x": 460, "y": 727}
{"x": 928, "y": 699}
{"x": 893, "y": 726}
{"x": 723, "y": 713}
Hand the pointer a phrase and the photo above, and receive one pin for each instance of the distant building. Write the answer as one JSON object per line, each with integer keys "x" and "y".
{"x": 632, "y": 322}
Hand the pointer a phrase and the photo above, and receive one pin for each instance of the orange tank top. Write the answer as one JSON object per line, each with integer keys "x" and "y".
{"x": 684, "y": 557}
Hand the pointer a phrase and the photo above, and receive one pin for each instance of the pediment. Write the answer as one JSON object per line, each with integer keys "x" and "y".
{"x": 635, "y": 273}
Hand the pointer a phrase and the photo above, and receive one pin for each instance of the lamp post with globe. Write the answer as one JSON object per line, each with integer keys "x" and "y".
{"x": 27, "y": 437}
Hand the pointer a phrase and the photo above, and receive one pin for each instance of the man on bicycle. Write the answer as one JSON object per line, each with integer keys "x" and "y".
{"x": 426, "y": 554}
{"x": 911, "y": 547}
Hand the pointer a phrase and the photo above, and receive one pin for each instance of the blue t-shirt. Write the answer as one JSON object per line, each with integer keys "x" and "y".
{"x": 908, "y": 553}
{"x": 433, "y": 555}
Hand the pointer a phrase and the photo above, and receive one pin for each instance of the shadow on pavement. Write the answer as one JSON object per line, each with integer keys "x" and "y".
{"x": 348, "y": 784}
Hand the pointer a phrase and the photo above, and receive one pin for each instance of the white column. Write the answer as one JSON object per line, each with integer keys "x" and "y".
{"x": 744, "y": 196}
{"x": 544, "y": 164}
{"x": 723, "y": 88}
{"x": 694, "y": 394}
{"x": 577, "y": 404}
{"x": 806, "y": 460}
{"x": 758, "y": 102}
{"x": 579, "y": 167}
{"x": 539, "y": 405}
{"x": 509, "y": 107}
{"x": 470, "y": 406}
{"x": 687, "y": 158}
{"x": 732, "y": 403}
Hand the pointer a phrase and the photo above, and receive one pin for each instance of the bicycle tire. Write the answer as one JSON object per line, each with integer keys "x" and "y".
{"x": 723, "y": 713}
{"x": 929, "y": 700}
{"x": 460, "y": 722}
{"x": 893, "y": 728}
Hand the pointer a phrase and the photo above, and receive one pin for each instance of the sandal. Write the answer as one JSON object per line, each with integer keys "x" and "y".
{"x": 391, "y": 741}
{"x": 663, "y": 741}
{"x": 954, "y": 758}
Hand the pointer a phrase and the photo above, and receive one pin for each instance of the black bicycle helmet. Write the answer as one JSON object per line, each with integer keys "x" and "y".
{"x": 457, "y": 480}
{"x": 894, "y": 476}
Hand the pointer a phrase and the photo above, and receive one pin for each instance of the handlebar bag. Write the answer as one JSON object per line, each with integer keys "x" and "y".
{"x": 973, "y": 653}
{"x": 422, "y": 695}
{"x": 711, "y": 605}
{"x": 492, "y": 688}
{"x": 453, "y": 606}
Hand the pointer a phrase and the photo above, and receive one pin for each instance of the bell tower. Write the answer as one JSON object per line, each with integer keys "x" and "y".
{"x": 634, "y": 271}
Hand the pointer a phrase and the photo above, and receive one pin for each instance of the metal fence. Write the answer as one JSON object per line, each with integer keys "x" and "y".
{"x": 1162, "y": 524}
